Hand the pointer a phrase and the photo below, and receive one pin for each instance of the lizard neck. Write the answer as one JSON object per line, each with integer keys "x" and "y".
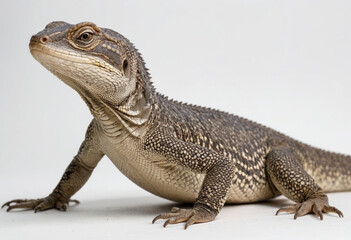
{"x": 129, "y": 117}
{"x": 117, "y": 120}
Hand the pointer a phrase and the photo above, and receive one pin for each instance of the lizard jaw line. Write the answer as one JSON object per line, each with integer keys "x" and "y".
{"x": 40, "y": 49}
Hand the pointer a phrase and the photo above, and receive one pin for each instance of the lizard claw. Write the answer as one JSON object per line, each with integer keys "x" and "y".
{"x": 37, "y": 205}
{"x": 318, "y": 206}
{"x": 21, "y": 203}
{"x": 190, "y": 216}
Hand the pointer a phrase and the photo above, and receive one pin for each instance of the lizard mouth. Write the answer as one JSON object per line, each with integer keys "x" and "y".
{"x": 42, "y": 53}
{"x": 38, "y": 50}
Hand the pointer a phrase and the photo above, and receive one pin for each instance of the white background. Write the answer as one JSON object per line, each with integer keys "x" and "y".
{"x": 285, "y": 64}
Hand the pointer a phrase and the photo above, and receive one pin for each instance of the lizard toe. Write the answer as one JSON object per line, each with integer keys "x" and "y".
{"x": 289, "y": 209}
{"x": 330, "y": 209}
{"x": 317, "y": 205}
{"x": 190, "y": 216}
{"x": 22, "y": 203}
{"x": 37, "y": 205}
{"x": 176, "y": 215}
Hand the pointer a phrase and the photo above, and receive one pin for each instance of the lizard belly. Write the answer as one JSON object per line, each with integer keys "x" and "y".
{"x": 155, "y": 174}
{"x": 256, "y": 193}
{"x": 151, "y": 172}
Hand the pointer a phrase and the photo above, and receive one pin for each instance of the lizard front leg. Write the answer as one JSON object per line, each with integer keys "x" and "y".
{"x": 75, "y": 176}
{"x": 219, "y": 172}
{"x": 289, "y": 177}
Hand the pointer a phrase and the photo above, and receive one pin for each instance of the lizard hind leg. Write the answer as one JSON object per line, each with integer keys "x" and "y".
{"x": 289, "y": 177}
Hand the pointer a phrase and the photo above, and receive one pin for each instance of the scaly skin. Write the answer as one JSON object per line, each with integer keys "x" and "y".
{"x": 177, "y": 151}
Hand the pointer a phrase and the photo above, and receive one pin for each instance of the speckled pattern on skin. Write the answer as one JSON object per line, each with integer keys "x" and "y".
{"x": 178, "y": 151}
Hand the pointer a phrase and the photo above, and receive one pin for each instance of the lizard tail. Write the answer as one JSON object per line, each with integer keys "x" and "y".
{"x": 331, "y": 171}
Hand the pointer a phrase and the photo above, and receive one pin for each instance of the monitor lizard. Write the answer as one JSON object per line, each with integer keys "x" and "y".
{"x": 175, "y": 150}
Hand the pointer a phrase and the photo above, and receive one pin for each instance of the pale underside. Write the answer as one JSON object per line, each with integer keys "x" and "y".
{"x": 163, "y": 178}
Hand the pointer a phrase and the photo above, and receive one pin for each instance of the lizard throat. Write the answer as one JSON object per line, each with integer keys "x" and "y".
{"x": 130, "y": 117}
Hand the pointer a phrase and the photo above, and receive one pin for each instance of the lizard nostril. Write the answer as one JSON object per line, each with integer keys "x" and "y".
{"x": 44, "y": 39}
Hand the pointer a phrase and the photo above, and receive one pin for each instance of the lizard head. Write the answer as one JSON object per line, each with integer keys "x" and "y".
{"x": 96, "y": 62}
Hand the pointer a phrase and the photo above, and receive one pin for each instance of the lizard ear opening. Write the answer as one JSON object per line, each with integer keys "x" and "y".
{"x": 126, "y": 68}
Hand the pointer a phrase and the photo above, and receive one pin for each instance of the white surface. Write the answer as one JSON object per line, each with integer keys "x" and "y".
{"x": 285, "y": 64}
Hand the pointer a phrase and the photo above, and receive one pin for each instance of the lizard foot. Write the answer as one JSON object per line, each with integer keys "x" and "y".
{"x": 190, "y": 216}
{"x": 317, "y": 205}
{"x": 38, "y": 205}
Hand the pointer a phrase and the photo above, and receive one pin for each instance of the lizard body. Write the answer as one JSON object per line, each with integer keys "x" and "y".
{"x": 178, "y": 151}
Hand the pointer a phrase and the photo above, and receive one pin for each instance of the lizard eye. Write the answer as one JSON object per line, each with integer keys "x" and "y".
{"x": 85, "y": 37}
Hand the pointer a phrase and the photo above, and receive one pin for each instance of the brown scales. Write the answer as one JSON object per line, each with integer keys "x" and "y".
{"x": 187, "y": 153}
